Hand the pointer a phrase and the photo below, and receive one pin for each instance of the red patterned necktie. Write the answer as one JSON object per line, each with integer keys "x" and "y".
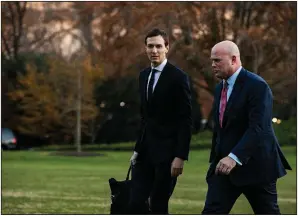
{"x": 223, "y": 102}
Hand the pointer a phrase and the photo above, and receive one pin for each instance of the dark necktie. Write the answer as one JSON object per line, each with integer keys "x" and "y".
{"x": 151, "y": 83}
{"x": 223, "y": 102}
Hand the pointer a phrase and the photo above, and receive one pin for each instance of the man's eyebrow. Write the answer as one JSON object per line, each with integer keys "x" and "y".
{"x": 154, "y": 43}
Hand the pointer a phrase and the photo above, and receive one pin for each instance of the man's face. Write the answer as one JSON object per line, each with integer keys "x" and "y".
{"x": 221, "y": 64}
{"x": 156, "y": 49}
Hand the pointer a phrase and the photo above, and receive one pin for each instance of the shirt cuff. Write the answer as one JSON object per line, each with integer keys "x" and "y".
{"x": 235, "y": 158}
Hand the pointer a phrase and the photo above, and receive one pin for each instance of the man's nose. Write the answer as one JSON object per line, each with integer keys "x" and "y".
{"x": 154, "y": 50}
{"x": 213, "y": 64}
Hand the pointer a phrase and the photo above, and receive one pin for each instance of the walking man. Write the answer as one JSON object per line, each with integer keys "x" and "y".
{"x": 245, "y": 156}
{"x": 163, "y": 143}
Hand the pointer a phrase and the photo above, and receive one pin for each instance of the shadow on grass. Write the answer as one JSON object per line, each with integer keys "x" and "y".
{"x": 76, "y": 154}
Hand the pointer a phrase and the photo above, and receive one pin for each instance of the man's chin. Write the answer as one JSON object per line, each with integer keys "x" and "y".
{"x": 155, "y": 62}
{"x": 217, "y": 76}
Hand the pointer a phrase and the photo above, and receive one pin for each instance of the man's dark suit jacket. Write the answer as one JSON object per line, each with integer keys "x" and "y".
{"x": 166, "y": 118}
{"x": 247, "y": 132}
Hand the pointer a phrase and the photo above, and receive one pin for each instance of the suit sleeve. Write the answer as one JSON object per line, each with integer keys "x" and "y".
{"x": 183, "y": 99}
{"x": 142, "y": 125}
{"x": 259, "y": 101}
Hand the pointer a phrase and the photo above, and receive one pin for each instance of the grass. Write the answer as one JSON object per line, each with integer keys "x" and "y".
{"x": 36, "y": 182}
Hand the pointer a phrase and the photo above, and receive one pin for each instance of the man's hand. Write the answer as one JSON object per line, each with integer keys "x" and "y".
{"x": 225, "y": 166}
{"x": 177, "y": 167}
{"x": 133, "y": 158}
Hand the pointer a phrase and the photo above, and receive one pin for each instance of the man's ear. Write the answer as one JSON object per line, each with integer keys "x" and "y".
{"x": 234, "y": 59}
{"x": 167, "y": 47}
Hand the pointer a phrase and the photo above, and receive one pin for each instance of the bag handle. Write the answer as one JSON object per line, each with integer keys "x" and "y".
{"x": 129, "y": 169}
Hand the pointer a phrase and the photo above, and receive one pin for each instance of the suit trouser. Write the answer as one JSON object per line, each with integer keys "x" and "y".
{"x": 154, "y": 181}
{"x": 222, "y": 195}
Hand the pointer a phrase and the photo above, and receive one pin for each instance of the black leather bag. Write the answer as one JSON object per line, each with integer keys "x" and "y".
{"x": 120, "y": 194}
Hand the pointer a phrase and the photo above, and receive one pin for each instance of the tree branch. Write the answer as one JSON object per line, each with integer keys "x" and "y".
{"x": 6, "y": 46}
{"x": 20, "y": 29}
{"x": 12, "y": 19}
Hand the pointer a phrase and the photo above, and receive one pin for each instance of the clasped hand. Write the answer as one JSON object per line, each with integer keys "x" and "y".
{"x": 133, "y": 159}
{"x": 225, "y": 166}
{"x": 177, "y": 167}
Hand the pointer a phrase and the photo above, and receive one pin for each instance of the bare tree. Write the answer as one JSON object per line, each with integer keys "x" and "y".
{"x": 12, "y": 14}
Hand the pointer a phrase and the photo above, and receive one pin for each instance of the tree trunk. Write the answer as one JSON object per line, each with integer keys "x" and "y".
{"x": 78, "y": 135}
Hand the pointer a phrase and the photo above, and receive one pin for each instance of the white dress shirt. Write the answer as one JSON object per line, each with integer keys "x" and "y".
{"x": 231, "y": 81}
{"x": 159, "y": 69}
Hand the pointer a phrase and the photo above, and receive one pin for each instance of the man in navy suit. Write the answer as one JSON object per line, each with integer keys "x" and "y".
{"x": 245, "y": 156}
{"x": 163, "y": 143}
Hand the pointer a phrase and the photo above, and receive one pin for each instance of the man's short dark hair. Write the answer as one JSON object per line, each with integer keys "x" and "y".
{"x": 157, "y": 32}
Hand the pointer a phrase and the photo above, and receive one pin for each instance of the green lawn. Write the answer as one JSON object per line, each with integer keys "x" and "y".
{"x": 35, "y": 182}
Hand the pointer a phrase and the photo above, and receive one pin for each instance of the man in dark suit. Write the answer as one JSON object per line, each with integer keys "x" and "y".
{"x": 163, "y": 142}
{"x": 245, "y": 157}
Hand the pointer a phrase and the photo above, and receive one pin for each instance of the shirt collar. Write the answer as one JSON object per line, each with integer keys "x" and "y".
{"x": 161, "y": 66}
{"x": 232, "y": 79}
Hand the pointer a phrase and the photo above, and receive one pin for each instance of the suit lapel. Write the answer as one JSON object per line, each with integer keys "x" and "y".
{"x": 235, "y": 94}
{"x": 217, "y": 99}
{"x": 144, "y": 87}
{"x": 161, "y": 80}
